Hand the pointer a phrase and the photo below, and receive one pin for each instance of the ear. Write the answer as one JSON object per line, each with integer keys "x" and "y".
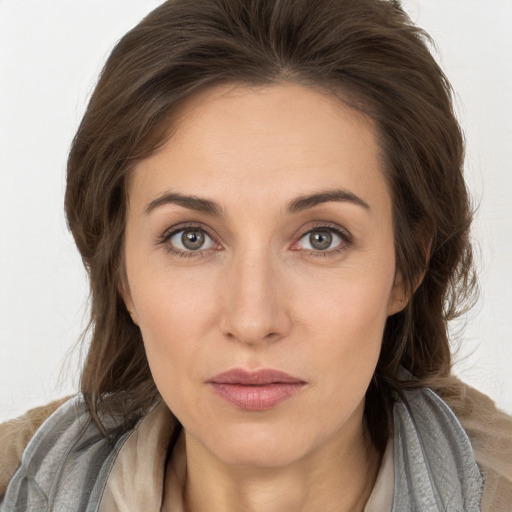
{"x": 398, "y": 298}
{"x": 124, "y": 290}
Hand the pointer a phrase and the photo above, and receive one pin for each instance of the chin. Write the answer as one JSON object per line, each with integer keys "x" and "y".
{"x": 257, "y": 446}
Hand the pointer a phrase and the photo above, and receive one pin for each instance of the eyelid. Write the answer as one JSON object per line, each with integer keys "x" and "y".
{"x": 327, "y": 226}
{"x": 345, "y": 236}
{"x": 169, "y": 232}
{"x": 165, "y": 238}
{"x": 177, "y": 241}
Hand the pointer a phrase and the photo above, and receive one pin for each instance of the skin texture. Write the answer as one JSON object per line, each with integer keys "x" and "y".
{"x": 260, "y": 294}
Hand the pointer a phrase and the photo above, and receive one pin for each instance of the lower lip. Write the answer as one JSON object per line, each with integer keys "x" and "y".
{"x": 257, "y": 398}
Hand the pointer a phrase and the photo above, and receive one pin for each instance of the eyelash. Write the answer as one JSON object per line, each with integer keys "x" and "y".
{"x": 346, "y": 239}
{"x": 336, "y": 230}
{"x": 166, "y": 237}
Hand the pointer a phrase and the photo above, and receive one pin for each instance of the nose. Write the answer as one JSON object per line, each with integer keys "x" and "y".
{"x": 254, "y": 308}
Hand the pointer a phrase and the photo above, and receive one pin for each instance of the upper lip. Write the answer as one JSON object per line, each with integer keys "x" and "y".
{"x": 254, "y": 378}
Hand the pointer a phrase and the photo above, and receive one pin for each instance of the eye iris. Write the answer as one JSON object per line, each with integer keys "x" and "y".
{"x": 192, "y": 239}
{"x": 320, "y": 240}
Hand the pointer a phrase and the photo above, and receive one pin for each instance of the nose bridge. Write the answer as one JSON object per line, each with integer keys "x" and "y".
{"x": 253, "y": 309}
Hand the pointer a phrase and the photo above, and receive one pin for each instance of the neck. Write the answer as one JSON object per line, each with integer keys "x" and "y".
{"x": 339, "y": 476}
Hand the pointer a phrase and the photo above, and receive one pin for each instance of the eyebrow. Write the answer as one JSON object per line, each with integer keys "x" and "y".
{"x": 337, "y": 195}
{"x": 299, "y": 204}
{"x": 191, "y": 202}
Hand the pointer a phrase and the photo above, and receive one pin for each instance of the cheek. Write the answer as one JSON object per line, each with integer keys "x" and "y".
{"x": 352, "y": 336}
{"x": 347, "y": 317}
{"x": 175, "y": 313}
{"x": 346, "y": 362}
{"x": 352, "y": 302}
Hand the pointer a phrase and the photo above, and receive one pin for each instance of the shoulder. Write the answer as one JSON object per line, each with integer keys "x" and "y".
{"x": 66, "y": 447}
{"x": 463, "y": 441}
{"x": 490, "y": 433}
{"x": 15, "y": 435}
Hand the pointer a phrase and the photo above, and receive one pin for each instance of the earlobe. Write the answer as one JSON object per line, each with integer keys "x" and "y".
{"x": 402, "y": 294}
{"x": 133, "y": 316}
{"x": 124, "y": 291}
{"x": 397, "y": 305}
{"x": 398, "y": 297}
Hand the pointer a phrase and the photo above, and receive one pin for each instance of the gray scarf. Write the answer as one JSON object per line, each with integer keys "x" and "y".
{"x": 66, "y": 465}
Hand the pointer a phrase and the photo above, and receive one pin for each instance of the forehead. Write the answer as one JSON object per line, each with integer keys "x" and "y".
{"x": 274, "y": 141}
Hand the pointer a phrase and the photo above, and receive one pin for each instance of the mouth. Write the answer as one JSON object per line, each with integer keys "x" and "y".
{"x": 255, "y": 391}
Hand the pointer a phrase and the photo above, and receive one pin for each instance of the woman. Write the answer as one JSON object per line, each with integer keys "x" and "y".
{"x": 268, "y": 198}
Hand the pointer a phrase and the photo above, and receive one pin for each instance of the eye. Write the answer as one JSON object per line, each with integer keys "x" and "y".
{"x": 190, "y": 240}
{"x": 322, "y": 239}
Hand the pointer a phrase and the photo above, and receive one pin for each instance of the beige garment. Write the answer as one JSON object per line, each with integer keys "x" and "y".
{"x": 490, "y": 433}
{"x": 137, "y": 478}
{"x": 381, "y": 498}
{"x": 15, "y": 435}
{"x": 489, "y": 430}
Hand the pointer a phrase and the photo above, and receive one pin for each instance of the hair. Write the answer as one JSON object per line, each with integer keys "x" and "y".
{"x": 375, "y": 59}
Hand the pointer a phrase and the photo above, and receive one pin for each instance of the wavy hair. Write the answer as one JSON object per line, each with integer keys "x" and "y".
{"x": 370, "y": 54}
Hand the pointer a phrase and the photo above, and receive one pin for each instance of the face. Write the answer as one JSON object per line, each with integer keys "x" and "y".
{"x": 259, "y": 239}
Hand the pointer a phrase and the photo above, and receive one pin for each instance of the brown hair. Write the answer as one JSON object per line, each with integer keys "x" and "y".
{"x": 366, "y": 51}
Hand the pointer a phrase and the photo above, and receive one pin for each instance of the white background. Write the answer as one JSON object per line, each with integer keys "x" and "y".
{"x": 50, "y": 55}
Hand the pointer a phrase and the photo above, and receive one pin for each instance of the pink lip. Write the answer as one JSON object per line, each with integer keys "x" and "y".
{"x": 255, "y": 391}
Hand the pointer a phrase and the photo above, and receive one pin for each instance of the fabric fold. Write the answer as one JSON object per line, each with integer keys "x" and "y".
{"x": 435, "y": 469}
